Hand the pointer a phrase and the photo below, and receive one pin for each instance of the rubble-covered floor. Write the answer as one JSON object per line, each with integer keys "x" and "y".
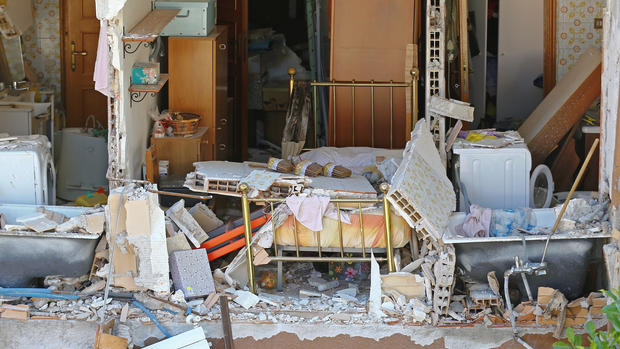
{"x": 248, "y": 334}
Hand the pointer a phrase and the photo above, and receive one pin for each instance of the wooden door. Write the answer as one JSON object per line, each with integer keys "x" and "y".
{"x": 81, "y": 33}
{"x": 234, "y": 15}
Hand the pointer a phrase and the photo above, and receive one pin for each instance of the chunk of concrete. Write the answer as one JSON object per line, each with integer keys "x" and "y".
{"x": 191, "y": 273}
{"x": 182, "y": 218}
{"x": 205, "y": 217}
{"x": 177, "y": 242}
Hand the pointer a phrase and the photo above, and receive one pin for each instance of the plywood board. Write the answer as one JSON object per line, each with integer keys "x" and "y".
{"x": 563, "y": 106}
{"x": 149, "y": 28}
{"x": 369, "y": 42}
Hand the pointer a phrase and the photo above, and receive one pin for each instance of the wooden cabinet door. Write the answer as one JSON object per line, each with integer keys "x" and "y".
{"x": 223, "y": 121}
{"x": 234, "y": 15}
{"x": 191, "y": 82}
{"x": 81, "y": 35}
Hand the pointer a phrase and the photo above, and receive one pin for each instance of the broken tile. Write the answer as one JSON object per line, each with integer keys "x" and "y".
{"x": 191, "y": 273}
{"x": 307, "y": 293}
{"x": 322, "y": 284}
{"x": 246, "y": 299}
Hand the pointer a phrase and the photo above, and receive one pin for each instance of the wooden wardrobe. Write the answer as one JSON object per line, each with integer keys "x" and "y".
{"x": 198, "y": 83}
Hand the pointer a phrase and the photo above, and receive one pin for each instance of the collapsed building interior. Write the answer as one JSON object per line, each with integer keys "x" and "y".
{"x": 422, "y": 173}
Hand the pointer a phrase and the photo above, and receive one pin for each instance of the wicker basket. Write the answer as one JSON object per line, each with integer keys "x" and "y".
{"x": 184, "y": 123}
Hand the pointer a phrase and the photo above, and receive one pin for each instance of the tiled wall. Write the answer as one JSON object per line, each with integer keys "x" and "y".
{"x": 575, "y": 31}
{"x": 41, "y": 44}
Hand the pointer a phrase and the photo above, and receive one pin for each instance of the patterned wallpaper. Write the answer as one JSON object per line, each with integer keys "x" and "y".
{"x": 41, "y": 44}
{"x": 575, "y": 31}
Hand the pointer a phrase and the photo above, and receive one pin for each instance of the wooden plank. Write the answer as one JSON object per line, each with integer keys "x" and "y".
{"x": 149, "y": 28}
{"x": 154, "y": 88}
{"x": 108, "y": 341}
{"x": 563, "y": 106}
{"x": 227, "y": 327}
{"x": 567, "y": 162}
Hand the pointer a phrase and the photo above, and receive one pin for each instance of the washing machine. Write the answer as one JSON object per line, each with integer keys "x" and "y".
{"x": 494, "y": 178}
{"x": 27, "y": 174}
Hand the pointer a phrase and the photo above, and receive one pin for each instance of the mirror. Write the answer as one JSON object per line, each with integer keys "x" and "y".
{"x": 14, "y": 58}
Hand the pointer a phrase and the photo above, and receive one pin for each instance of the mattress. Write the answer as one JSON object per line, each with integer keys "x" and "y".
{"x": 374, "y": 232}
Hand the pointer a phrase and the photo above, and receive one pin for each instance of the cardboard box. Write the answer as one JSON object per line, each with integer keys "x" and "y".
{"x": 145, "y": 73}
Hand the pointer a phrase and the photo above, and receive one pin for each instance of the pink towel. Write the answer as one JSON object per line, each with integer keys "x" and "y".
{"x": 102, "y": 63}
{"x": 309, "y": 210}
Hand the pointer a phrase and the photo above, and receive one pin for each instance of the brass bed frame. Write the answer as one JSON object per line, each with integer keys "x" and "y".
{"x": 389, "y": 251}
{"x": 279, "y": 257}
{"x": 371, "y": 85}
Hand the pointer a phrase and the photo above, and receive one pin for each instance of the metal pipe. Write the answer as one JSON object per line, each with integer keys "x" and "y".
{"x": 247, "y": 223}
{"x": 334, "y": 115}
{"x": 353, "y": 113}
{"x": 296, "y": 235}
{"x": 570, "y": 195}
{"x": 360, "y": 84}
{"x": 190, "y": 196}
{"x": 527, "y": 287}
{"x": 340, "y": 231}
{"x": 273, "y": 228}
{"x": 388, "y": 228}
{"x": 372, "y": 113}
{"x": 391, "y": 116}
{"x": 414, "y": 103}
{"x": 362, "y": 230}
{"x": 342, "y": 201}
{"x": 316, "y": 124}
{"x": 324, "y": 259}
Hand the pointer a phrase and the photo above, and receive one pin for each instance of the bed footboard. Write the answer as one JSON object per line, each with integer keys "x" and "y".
{"x": 389, "y": 251}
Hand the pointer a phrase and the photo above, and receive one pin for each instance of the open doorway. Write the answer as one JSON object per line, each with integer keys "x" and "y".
{"x": 277, "y": 40}
{"x": 507, "y": 66}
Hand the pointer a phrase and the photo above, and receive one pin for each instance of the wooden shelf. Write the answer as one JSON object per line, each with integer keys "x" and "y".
{"x": 154, "y": 88}
{"x": 149, "y": 28}
{"x": 138, "y": 92}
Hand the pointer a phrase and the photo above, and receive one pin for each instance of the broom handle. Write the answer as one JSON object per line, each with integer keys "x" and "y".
{"x": 570, "y": 195}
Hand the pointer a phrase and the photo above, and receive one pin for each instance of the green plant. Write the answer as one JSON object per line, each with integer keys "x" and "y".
{"x": 598, "y": 339}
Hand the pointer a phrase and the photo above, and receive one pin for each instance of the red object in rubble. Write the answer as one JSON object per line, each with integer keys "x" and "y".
{"x": 230, "y": 237}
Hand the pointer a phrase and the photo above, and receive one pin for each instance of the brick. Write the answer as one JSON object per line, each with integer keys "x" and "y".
{"x": 191, "y": 273}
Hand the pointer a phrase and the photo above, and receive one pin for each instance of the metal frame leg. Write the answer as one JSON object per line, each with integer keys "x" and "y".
{"x": 280, "y": 270}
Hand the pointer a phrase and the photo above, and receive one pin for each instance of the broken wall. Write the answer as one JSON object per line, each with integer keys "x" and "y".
{"x": 610, "y": 167}
{"x": 134, "y": 122}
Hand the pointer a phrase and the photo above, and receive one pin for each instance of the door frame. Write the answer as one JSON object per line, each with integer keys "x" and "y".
{"x": 63, "y": 83}
{"x": 550, "y": 22}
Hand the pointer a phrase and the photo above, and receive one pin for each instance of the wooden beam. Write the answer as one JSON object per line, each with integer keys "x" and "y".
{"x": 563, "y": 107}
{"x": 550, "y": 8}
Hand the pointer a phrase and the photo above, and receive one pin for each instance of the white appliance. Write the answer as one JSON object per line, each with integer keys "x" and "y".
{"x": 27, "y": 174}
{"x": 82, "y": 163}
{"x": 494, "y": 178}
